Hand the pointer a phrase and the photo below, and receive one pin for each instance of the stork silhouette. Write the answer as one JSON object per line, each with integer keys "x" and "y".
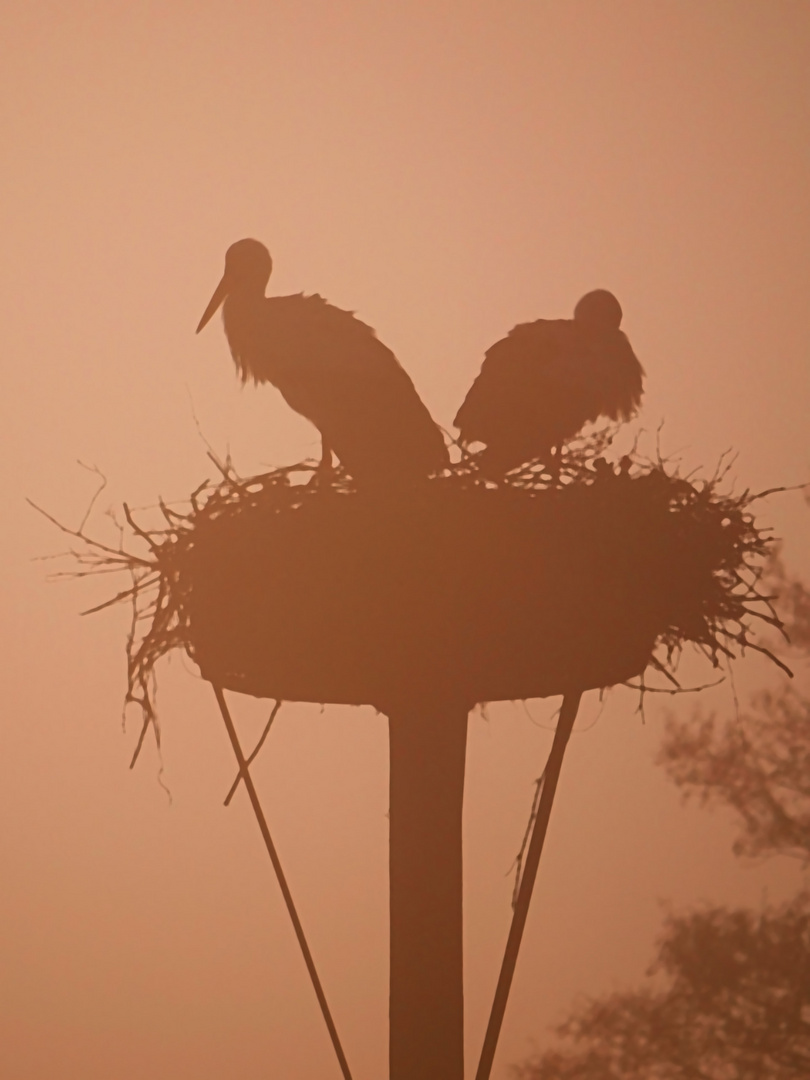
{"x": 541, "y": 384}
{"x": 331, "y": 368}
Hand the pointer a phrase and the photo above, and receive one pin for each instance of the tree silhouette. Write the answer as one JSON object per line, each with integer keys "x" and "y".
{"x": 757, "y": 763}
{"x": 735, "y": 1004}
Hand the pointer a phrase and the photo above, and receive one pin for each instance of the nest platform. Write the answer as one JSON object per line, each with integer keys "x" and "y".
{"x": 470, "y": 596}
{"x": 459, "y": 589}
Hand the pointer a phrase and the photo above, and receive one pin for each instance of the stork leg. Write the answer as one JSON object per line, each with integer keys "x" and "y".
{"x": 555, "y": 461}
{"x": 326, "y": 456}
{"x": 324, "y": 468}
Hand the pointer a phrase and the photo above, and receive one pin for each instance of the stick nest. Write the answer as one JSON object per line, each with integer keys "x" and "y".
{"x": 462, "y": 587}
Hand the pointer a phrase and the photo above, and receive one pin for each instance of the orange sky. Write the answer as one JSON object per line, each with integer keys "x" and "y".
{"x": 445, "y": 170}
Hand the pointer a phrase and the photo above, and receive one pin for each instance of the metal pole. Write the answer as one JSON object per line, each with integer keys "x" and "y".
{"x": 568, "y": 713}
{"x": 288, "y": 900}
{"x": 428, "y": 743}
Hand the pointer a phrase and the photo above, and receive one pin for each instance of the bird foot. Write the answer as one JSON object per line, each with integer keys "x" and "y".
{"x": 322, "y": 474}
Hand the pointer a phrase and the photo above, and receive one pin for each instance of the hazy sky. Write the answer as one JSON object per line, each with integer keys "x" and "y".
{"x": 445, "y": 169}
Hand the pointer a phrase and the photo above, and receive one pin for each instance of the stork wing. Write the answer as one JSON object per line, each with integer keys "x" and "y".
{"x": 337, "y": 373}
{"x": 518, "y": 382}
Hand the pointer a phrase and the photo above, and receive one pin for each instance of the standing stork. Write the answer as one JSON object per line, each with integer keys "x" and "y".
{"x": 545, "y": 380}
{"x": 331, "y": 368}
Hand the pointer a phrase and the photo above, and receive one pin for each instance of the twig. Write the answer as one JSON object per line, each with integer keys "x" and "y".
{"x": 138, "y": 530}
{"x": 99, "y": 473}
{"x": 677, "y": 690}
{"x": 778, "y": 491}
{"x": 88, "y": 540}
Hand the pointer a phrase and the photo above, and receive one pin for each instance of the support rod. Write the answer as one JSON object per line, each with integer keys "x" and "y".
{"x": 288, "y": 900}
{"x": 568, "y": 713}
{"x": 428, "y": 742}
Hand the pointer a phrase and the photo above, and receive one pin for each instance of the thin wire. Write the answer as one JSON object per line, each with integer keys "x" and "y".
{"x": 288, "y": 900}
{"x": 518, "y": 863}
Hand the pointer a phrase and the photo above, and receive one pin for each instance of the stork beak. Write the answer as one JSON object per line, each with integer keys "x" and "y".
{"x": 215, "y": 302}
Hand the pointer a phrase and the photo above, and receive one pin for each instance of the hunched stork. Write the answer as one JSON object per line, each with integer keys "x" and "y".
{"x": 545, "y": 380}
{"x": 331, "y": 368}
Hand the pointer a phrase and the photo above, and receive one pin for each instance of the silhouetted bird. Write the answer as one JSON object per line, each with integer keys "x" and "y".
{"x": 542, "y": 383}
{"x": 331, "y": 368}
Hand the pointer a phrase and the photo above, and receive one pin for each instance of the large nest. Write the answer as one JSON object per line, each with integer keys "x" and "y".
{"x": 461, "y": 588}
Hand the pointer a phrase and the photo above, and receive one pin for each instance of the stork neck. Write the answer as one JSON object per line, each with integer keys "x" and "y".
{"x": 250, "y": 289}
{"x": 243, "y": 303}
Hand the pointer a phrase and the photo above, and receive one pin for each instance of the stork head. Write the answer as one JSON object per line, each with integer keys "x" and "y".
{"x": 247, "y": 269}
{"x": 599, "y": 310}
